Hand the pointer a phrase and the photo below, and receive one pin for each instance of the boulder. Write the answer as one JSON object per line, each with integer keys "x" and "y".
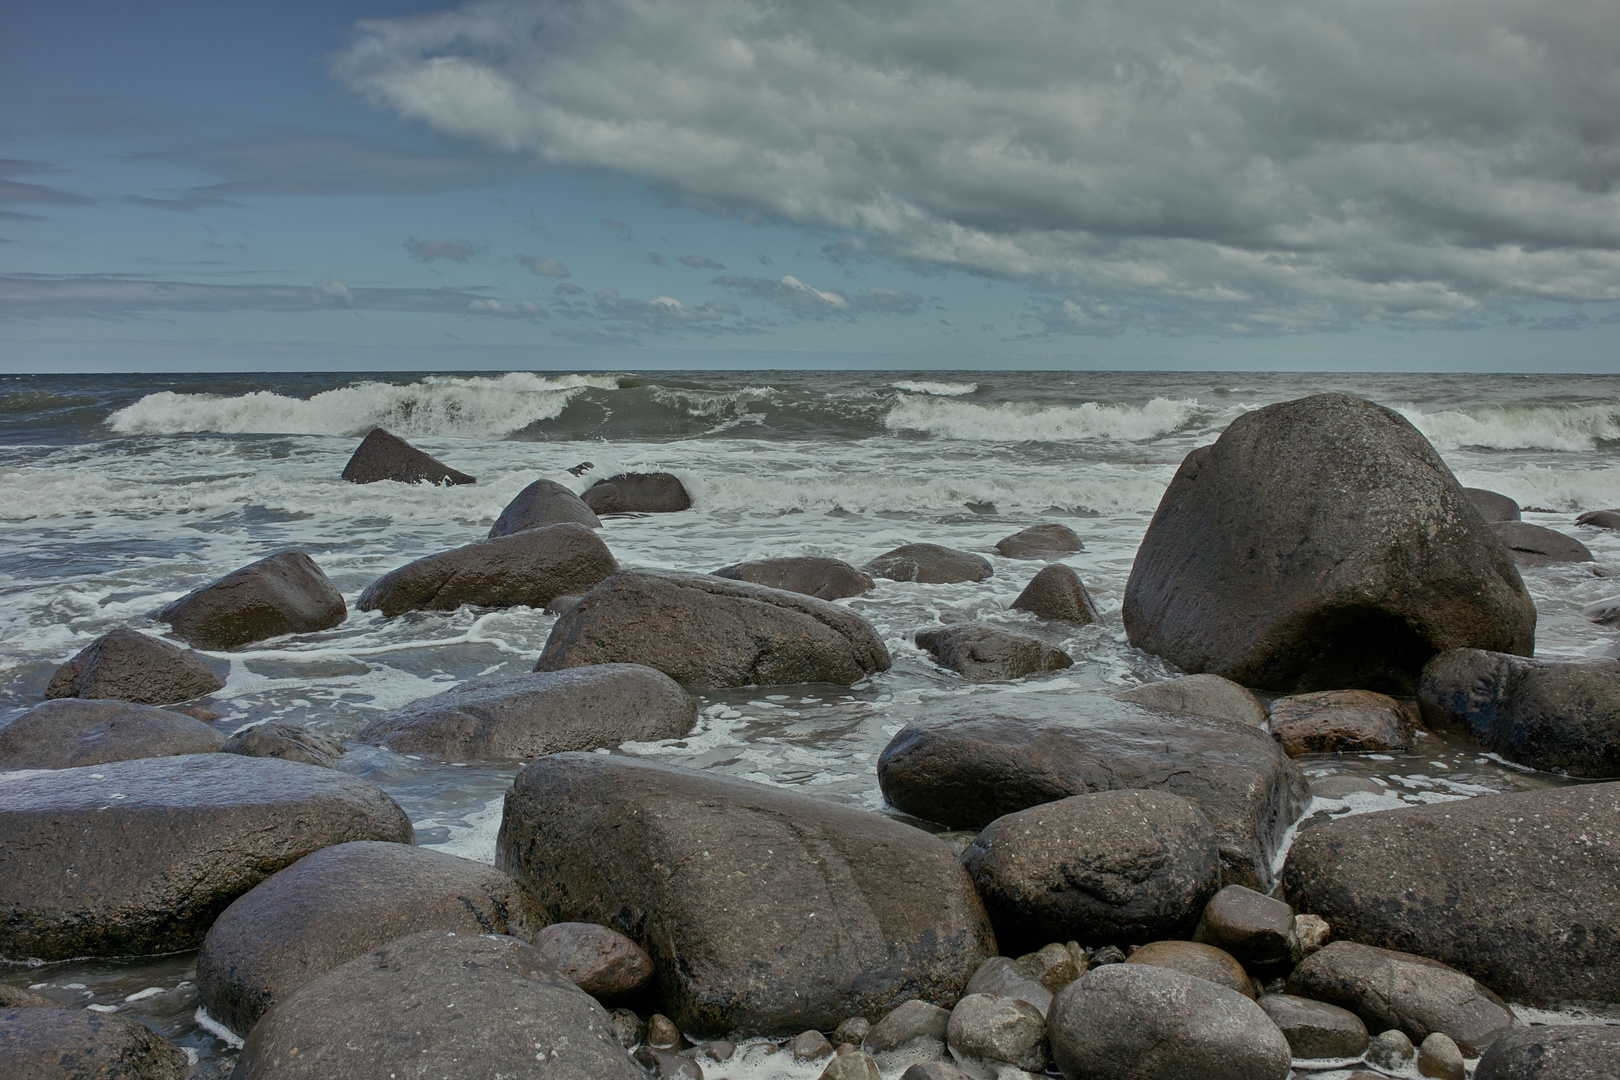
{"x": 1315, "y": 1029}
{"x": 929, "y": 564}
{"x": 1600, "y": 519}
{"x": 1533, "y": 545}
{"x": 543, "y": 503}
{"x": 76, "y": 1044}
{"x": 339, "y": 903}
{"x": 1056, "y": 593}
{"x": 522, "y": 717}
{"x": 287, "y": 742}
{"x": 140, "y": 857}
{"x": 987, "y": 1034}
{"x": 1321, "y": 544}
{"x": 283, "y": 594}
{"x": 1137, "y": 1020}
{"x": 1192, "y": 958}
{"x": 825, "y": 579}
{"x": 602, "y": 962}
{"x": 913, "y": 1031}
{"x": 1199, "y": 695}
{"x": 1414, "y": 994}
{"x": 1553, "y": 1052}
{"x": 763, "y": 910}
{"x": 127, "y": 665}
{"x": 527, "y": 568}
{"x": 1341, "y": 721}
{"x": 967, "y": 763}
{"x": 981, "y": 653}
{"x": 438, "y": 1004}
{"x": 638, "y": 493}
{"x": 1106, "y": 867}
{"x": 1492, "y": 506}
{"x": 1254, "y": 928}
{"x": 1046, "y": 541}
{"x": 383, "y": 456}
{"x": 1520, "y": 891}
{"x": 70, "y": 732}
{"x": 708, "y": 632}
{"x": 1002, "y": 977}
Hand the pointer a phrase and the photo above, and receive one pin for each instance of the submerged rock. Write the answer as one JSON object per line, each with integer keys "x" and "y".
{"x": 1199, "y": 695}
{"x": 930, "y": 564}
{"x": 384, "y": 456}
{"x": 981, "y": 653}
{"x": 825, "y": 579}
{"x": 1533, "y": 545}
{"x": 543, "y": 503}
{"x": 70, "y": 732}
{"x": 1057, "y": 594}
{"x": 1044, "y": 541}
{"x": 283, "y": 594}
{"x": 1341, "y": 721}
{"x": 1600, "y": 519}
{"x": 638, "y": 493}
{"x": 76, "y": 1044}
{"x": 127, "y": 665}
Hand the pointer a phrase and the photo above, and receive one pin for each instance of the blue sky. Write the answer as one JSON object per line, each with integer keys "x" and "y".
{"x": 366, "y": 184}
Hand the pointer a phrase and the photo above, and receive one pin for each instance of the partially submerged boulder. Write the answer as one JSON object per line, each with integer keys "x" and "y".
{"x": 127, "y": 665}
{"x": 930, "y": 564}
{"x": 1341, "y": 721}
{"x": 1321, "y": 544}
{"x": 76, "y": 1044}
{"x": 638, "y": 493}
{"x": 1493, "y": 506}
{"x": 542, "y": 503}
{"x": 981, "y": 653}
{"x": 1533, "y": 545}
{"x": 288, "y": 742}
{"x": 283, "y": 594}
{"x": 1600, "y": 519}
{"x": 1045, "y": 541}
{"x": 70, "y": 732}
{"x": 825, "y": 579}
{"x": 384, "y": 456}
{"x": 1199, "y": 695}
{"x": 1057, "y": 593}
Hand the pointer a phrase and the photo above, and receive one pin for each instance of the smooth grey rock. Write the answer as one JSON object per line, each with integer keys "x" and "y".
{"x": 1600, "y": 519}
{"x": 930, "y": 564}
{"x": 1201, "y": 961}
{"x": 1058, "y": 595}
{"x": 1341, "y": 785}
{"x": 825, "y": 579}
{"x": 1315, "y": 1029}
{"x": 287, "y": 742}
{"x": 1438, "y": 1056}
{"x": 1492, "y": 506}
{"x": 75, "y": 1044}
{"x": 1554, "y": 1052}
{"x": 283, "y": 594}
{"x": 1001, "y": 977}
{"x": 1044, "y": 541}
{"x": 1341, "y": 721}
{"x": 1391, "y": 1050}
{"x": 127, "y": 665}
{"x": 600, "y": 961}
{"x": 1533, "y": 545}
{"x": 637, "y": 493}
{"x": 1252, "y": 927}
{"x": 542, "y": 503}
{"x": 987, "y": 1033}
{"x": 981, "y": 653}
{"x": 1200, "y": 695}
{"x": 385, "y": 456}
{"x": 70, "y": 732}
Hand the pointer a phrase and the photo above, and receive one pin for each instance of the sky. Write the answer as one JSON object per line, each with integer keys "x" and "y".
{"x": 958, "y": 184}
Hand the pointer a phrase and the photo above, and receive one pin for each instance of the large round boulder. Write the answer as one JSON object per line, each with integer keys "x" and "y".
{"x": 638, "y": 493}
{"x": 542, "y": 503}
{"x": 707, "y": 632}
{"x": 1058, "y": 594}
{"x": 69, "y": 732}
{"x": 127, "y": 665}
{"x": 764, "y": 911}
{"x": 76, "y": 1044}
{"x": 1553, "y": 1052}
{"x": 1320, "y": 544}
{"x": 930, "y": 564}
{"x": 140, "y": 857}
{"x": 383, "y": 455}
{"x": 981, "y": 653}
{"x": 283, "y": 594}
{"x": 823, "y": 578}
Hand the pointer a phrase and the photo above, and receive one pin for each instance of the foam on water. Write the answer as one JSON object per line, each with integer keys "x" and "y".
{"x": 937, "y": 389}
{"x": 1033, "y": 422}
{"x": 1571, "y": 428}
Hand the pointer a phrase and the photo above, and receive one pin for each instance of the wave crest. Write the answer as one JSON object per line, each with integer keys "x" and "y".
{"x": 1536, "y": 427}
{"x": 1030, "y": 422}
{"x": 937, "y": 389}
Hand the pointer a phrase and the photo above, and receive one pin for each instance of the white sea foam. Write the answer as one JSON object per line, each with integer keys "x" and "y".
{"x": 937, "y": 389}
{"x": 1032, "y": 422}
{"x": 1572, "y": 428}
{"x": 1566, "y": 488}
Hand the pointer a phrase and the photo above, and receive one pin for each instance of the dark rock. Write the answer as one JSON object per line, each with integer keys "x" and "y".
{"x": 707, "y": 632}
{"x": 810, "y": 1046}
{"x": 980, "y": 653}
{"x": 127, "y": 665}
{"x": 1315, "y": 1029}
{"x": 638, "y": 493}
{"x": 1136, "y": 1020}
{"x": 287, "y": 742}
{"x": 1057, "y": 594}
{"x": 70, "y": 732}
{"x": 1254, "y": 928}
{"x": 84, "y": 872}
{"x": 1199, "y": 695}
{"x": 970, "y": 762}
{"x": 914, "y": 1031}
{"x": 339, "y": 903}
{"x": 543, "y": 503}
{"x": 15, "y": 997}
{"x": 73, "y": 1044}
{"x": 1463, "y": 688}
{"x": 1492, "y": 506}
{"x": 1108, "y": 954}
{"x": 383, "y": 456}
{"x": 1533, "y": 545}
{"x": 1439, "y": 1056}
{"x": 1341, "y": 721}
{"x": 929, "y": 564}
{"x": 986, "y": 1034}
{"x": 1046, "y": 541}
{"x": 527, "y": 568}
{"x": 934, "y": 1070}
{"x": 825, "y": 579}
{"x": 1390, "y": 989}
{"x": 522, "y": 717}
{"x": 1321, "y": 544}
{"x": 1600, "y": 519}
{"x": 762, "y": 910}
{"x": 1202, "y": 961}
{"x": 433, "y": 1005}
{"x": 283, "y": 594}
{"x": 1555, "y": 1052}
{"x": 1004, "y": 978}
{"x": 1109, "y": 866}
{"x": 602, "y": 962}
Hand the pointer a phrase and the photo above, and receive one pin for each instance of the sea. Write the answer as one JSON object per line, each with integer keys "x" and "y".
{"x": 119, "y": 493}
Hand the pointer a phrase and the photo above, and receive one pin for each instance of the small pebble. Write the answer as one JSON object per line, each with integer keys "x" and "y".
{"x": 1390, "y": 1050}
{"x": 1440, "y": 1057}
{"x": 662, "y": 1034}
{"x": 1311, "y": 932}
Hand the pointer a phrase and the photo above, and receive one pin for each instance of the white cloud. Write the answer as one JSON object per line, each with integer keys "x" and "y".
{"x": 544, "y": 265}
{"x": 791, "y": 293}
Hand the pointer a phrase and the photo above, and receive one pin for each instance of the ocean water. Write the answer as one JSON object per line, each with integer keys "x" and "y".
{"x": 119, "y": 493}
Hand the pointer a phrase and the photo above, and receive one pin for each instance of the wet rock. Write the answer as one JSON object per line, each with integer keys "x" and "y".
{"x": 559, "y": 604}
{"x": 1116, "y": 866}
{"x": 85, "y": 872}
{"x": 929, "y": 564}
{"x": 287, "y": 742}
{"x": 385, "y": 456}
{"x": 1492, "y": 887}
{"x": 1390, "y": 989}
{"x": 913, "y": 1032}
{"x": 762, "y": 910}
{"x": 1391, "y": 1050}
{"x": 1600, "y": 519}
{"x": 1202, "y": 961}
{"x": 1199, "y": 695}
{"x": 543, "y": 503}
{"x": 1054, "y": 966}
{"x": 1046, "y": 541}
{"x": 1321, "y": 544}
{"x": 127, "y": 665}
{"x": 665, "y": 1065}
{"x": 1533, "y": 545}
{"x": 428, "y": 1004}
{"x": 283, "y": 594}
{"x": 527, "y": 568}
{"x": 628, "y": 1027}
{"x": 853, "y": 1031}
{"x": 1554, "y": 1052}
{"x": 934, "y": 1070}
{"x": 825, "y": 579}
{"x": 1140, "y": 1020}
{"x": 1341, "y": 721}
{"x": 810, "y": 1046}
{"x": 1254, "y": 928}
{"x": 339, "y": 903}
{"x": 637, "y": 493}
{"x": 986, "y": 1034}
{"x": 522, "y": 717}
{"x": 708, "y": 632}
{"x": 1438, "y": 1056}
{"x": 718, "y": 1049}
{"x": 1343, "y": 785}
{"x": 856, "y": 1066}
{"x": 1001, "y": 977}
{"x": 662, "y": 1034}
{"x": 968, "y": 763}
{"x": 1057, "y": 594}
{"x": 1492, "y": 506}
{"x": 602, "y": 962}
{"x": 1315, "y": 1029}
{"x": 1108, "y": 954}
{"x": 70, "y": 732}
{"x": 73, "y": 1044}
{"x": 980, "y": 653}
{"x": 15, "y": 997}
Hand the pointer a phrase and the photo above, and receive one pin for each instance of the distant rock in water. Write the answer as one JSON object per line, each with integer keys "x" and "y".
{"x": 638, "y": 493}
{"x": 1200, "y": 695}
{"x": 383, "y": 456}
{"x": 1492, "y": 506}
{"x": 1533, "y": 545}
{"x": 127, "y": 665}
{"x": 825, "y": 579}
{"x": 1045, "y": 541}
{"x": 1057, "y": 593}
{"x": 1600, "y": 519}
{"x": 981, "y": 653}
{"x": 283, "y": 594}
{"x": 542, "y": 503}
{"x": 929, "y": 564}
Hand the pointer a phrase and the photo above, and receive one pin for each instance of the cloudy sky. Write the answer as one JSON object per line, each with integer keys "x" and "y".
{"x": 706, "y": 183}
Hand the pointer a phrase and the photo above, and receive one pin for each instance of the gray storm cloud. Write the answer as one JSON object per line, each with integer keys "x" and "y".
{"x": 1250, "y": 167}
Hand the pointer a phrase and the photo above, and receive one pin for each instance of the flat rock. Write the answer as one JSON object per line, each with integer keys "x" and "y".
{"x": 825, "y": 579}
{"x": 1057, "y": 594}
{"x": 1341, "y": 721}
{"x": 521, "y": 717}
{"x": 1254, "y": 928}
{"x": 1193, "y": 958}
{"x": 1315, "y": 1029}
{"x": 1200, "y": 695}
{"x": 708, "y": 632}
{"x": 283, "y": 594}
{"x": 638, "y": 493}
{"x": 127, "y": 665}
{"x": 1045, "y": 541}
{"x": 1493, "y": 506}
{"x": 981, "y": 653}
{"x": 526, "y": 568}
{"x": 600, "y": 961}
{"x": 339, "y": 903}
{"x": 288, "y": 742}
{"x": 1533, "y": 545}
{"x": 1320, "y": 544}
{"x": 1520, "y": 891}
{"x": 70, "y": 732}
{"x": 967, "y": 763}
{"x": 542, "y": 503}
{"x": 1109, "y": 867}
{"x": 137, "y": 857}
{"x": 763, "y": 911}
{"x": 930, "y": 564}
{"x": 1600, "y": 519}
{"x": 384, "y": 456}
{"x": 438, "y": 1004}
{"x": 1554, "y": 1052}
{"x": 75, "y": 1044}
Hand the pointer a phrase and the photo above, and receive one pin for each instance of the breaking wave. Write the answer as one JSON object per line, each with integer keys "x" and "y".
{"x": 1570, "y": 428}
{"x": 1030, "y": 422}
